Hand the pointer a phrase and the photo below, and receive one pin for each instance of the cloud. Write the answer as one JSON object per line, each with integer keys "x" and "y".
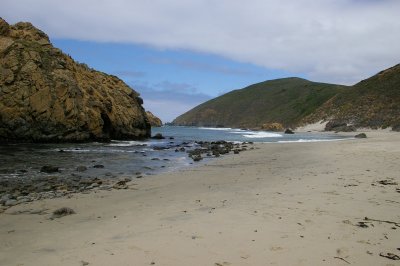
{"x": 328, "y": 40}
{"x": 168, "y": 100}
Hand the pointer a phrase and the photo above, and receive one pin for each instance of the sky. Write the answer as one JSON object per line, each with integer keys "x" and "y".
{"x": 178, "y": 53}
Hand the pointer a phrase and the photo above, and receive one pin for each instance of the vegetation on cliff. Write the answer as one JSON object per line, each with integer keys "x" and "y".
{"x": 373, "y": 103}
{"x": 46, "y": 96}
{"x": 285, "y": 101}
{"x": 293, "y": 102}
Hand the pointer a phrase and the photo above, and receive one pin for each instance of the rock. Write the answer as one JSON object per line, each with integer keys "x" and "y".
{"x": 396, "y": 128}
{"x": 272, "y": 126}
{"x": 153, "y": 120}
{"x": 98, "y": 166}
{"x": 5, "y": 198}
{"x": 120, "y": 185}
{"x": 361, "y": 136}
{"x": 10, "y": 203}
{"x": 62, "y": 212}
{"x": 49, "y": 169}
{"x": 81, "y": 168}
{"x": 339, "y": 126}
{"x": 289, "y": 131}
{"x": 158, "y": 136}
{"x": 197, "y": 158}
{"x": 48, "y": 97}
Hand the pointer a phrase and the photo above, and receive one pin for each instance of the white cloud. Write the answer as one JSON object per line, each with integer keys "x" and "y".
{"x": 328, "y": 40}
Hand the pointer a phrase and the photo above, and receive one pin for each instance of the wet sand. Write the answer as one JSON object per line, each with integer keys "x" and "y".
{"x": 281, "y": 204}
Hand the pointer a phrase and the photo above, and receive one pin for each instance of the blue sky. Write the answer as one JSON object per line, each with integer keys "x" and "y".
{"x": 179, "y": 53}
{"x": 170, "y": 81}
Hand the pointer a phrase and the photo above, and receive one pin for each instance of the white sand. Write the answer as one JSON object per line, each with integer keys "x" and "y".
{"x": 282, "y": 204}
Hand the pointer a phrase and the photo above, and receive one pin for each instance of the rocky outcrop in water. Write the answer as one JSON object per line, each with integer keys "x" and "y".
{"x": 45, "y": 96}
{"x": 154, "y": 120}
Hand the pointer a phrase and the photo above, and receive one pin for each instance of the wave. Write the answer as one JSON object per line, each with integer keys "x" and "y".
{"x": 260, "y": 135}
{"x": 216, "y": 128}
{"x": 126, "y": 143}
{"x": 309, "y": 140}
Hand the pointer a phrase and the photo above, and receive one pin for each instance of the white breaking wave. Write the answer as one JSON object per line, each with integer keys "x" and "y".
{"x": 216, "y": 128}
{"x": 126, "y": 143}
{"x": 260, "y": 135}
{"x": 309, "y": 140}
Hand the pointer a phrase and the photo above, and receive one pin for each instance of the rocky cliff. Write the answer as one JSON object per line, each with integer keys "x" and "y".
{"x": 372, "y": 103}
{"x": 45, "y": 96}
{"x": 154, "y": 120}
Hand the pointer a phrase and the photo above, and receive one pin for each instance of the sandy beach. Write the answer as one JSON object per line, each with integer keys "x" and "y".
{"x": 324, "y": 203}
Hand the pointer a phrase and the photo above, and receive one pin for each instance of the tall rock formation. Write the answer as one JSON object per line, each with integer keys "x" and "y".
{"x": 154, "y": 120}
{"x": 45, "y": 96}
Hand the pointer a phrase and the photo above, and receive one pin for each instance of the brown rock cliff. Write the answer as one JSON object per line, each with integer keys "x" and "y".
{"x": 45, "y": 96}
{"x": 154, "y": 120}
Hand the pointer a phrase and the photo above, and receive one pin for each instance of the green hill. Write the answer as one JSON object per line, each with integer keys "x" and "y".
{"x": 374, "y": 102}
{"x": 286, "y": 101}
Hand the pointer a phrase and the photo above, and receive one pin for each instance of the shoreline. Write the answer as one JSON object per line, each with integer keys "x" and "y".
{"x": 281, "y": 204}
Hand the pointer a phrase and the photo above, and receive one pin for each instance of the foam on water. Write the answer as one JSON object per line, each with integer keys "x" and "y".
{"x": 259, "y": 135}
{"x": 216, "y": 128}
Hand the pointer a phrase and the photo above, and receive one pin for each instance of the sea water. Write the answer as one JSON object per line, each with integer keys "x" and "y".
{"x": 127, "y": 158}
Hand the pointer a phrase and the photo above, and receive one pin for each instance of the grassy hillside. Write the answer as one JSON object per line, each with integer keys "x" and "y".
{"x": 374, "y": 102}
{"x": 286, "y": 101}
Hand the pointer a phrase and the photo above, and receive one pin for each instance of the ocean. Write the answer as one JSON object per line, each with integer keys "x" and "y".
{"x": 127, "y": 158}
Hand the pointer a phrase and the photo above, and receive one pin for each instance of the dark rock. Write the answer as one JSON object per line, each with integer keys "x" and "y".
{"x": 361, "y": 136}
{"x": 197, "y": 158}
{"x": 158, "y": 136}
{"x": 332, "y": 125}
{"x": 98, "y": 166}
{"x": 49, "y": 169}
{"x": 81, "y": 168}
{"x": 289, "y": 131}
{"x": 339, "y": 126}
{"x": 160, "y": 148}
{"x": 121, "y": 185}
{"x": 62, "y": 212}
{"x": 236, "y": 151}
{"x": 396, "y": 128}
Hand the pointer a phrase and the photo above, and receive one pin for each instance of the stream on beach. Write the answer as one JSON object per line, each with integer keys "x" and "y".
{"x": 21, "y": 164}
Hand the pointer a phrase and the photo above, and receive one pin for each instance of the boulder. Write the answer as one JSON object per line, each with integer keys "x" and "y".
{"x": 289, "y": 131}
{"x": 361, "y": 136}
{"x": 339, "y": 126}
{"x": 46, "y": 96}
{"x": 158, "y": 136}
{"x": 49, "y": 169}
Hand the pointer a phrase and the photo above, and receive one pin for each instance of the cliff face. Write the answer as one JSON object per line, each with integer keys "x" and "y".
{"x": 46, "y": 96}
{"x": 372, "y": 103}
{"x": 154, "y": 120}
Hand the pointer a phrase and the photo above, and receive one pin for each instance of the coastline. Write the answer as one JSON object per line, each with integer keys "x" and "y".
{"x": 280, "y": 204}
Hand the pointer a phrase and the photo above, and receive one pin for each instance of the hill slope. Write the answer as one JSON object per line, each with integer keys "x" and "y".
{"x": 46, "y": 96}
{"x": 374, "y": 102}
{"x": 286, "y": 101}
